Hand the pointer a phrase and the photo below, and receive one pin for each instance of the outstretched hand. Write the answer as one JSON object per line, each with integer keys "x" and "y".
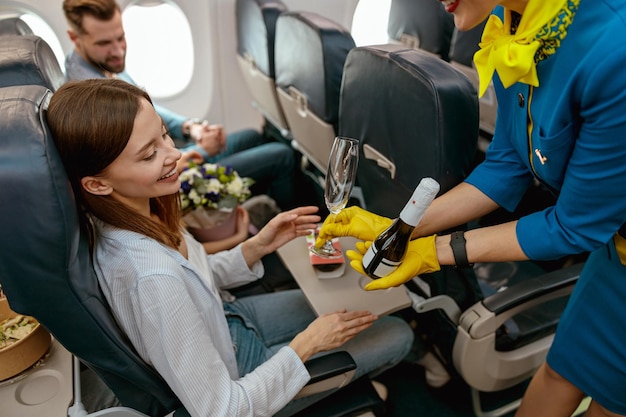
{"x": 281, "y": 229}
{"x": 352, "y": 221}
{"x": 420, "y": 258}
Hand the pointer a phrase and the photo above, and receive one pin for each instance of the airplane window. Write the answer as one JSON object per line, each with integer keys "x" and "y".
{"x": 369, "y": 23}
{"x": 45, "y": 32}
{"x": 160, "y": 48}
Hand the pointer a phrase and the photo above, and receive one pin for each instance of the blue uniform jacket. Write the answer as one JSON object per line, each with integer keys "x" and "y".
{"x": 577, "y": 122}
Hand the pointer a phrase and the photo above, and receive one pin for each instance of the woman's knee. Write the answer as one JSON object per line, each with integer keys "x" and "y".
{"x": 392, "y": 336}
{"x": 399, "y": 329}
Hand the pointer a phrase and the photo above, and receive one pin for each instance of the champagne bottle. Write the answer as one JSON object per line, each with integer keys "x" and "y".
{"x": 388, "y": 249}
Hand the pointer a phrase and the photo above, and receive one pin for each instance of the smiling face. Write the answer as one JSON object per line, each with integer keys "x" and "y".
{"x": 145, "y": 169}
{"x": 102, "y": 43}
{"x": 469, "y": 13}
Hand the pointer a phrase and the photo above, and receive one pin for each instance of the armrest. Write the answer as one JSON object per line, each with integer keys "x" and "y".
{"x": 181, "y": 412}
{"x": 531, "y": 289}
{"x": 489, "y": 314}
{"x": 328, "y": 372}
{"x": 475, "y": 354}
{"x": 331, "y": 371}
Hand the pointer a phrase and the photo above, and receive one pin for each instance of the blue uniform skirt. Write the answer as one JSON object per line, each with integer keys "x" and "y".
{"x": 589, "y": 347}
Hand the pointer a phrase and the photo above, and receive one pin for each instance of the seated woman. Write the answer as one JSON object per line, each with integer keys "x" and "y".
{"x": 229, "y": 357}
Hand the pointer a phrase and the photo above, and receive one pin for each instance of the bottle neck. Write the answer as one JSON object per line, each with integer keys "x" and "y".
{"x": 411, "y": 214}
{"x": 423, "y": 195}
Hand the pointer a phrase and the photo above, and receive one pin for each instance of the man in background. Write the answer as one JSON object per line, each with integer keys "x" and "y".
{"x": 97, "y": 32}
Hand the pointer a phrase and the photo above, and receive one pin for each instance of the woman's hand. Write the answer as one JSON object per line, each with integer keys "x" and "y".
{"x": 186, "y": 157}
{"x": 243, "y": 224}
{"x": 281, "y": 229}
{"x": 241, "y": 234}
{"x": 330, "y": 331}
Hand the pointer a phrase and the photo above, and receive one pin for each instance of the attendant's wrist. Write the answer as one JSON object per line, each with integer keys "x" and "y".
{"x": 459, "y": 252}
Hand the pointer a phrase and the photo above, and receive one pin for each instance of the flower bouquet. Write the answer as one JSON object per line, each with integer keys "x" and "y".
{"x": 209, "y": 194}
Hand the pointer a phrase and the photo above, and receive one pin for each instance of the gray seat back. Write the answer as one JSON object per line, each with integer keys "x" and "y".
{"x": 14, "y": 26}
{"x": 256, "y": 27}
{"x": 310, "y": 53}
{"x": 28, "y": 60}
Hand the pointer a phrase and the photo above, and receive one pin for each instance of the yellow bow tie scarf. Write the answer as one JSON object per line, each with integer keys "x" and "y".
{"x": 514, "y": 55}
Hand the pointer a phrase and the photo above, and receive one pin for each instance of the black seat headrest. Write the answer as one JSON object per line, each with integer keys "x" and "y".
{"x": 425, "y": 21}
{"x": 465, "y": 43}
{"x": 28, "y": 60}
{"x": 416, "y": 115}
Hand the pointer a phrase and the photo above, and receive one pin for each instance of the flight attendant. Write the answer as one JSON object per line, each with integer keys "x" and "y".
{"x": 558, "y": 70}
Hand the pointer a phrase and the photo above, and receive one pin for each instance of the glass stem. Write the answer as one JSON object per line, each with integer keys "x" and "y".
{"x": 328, "y": 247}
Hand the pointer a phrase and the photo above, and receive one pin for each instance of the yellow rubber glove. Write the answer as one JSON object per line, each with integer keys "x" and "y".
{"x": 420, "y": 258}
{"x": 353, "y": 221}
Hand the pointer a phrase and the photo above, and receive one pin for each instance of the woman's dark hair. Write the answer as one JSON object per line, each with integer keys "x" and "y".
{"x": 91, "y": 122}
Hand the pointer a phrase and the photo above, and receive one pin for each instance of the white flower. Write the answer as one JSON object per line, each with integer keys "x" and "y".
{"x": 209, "y": 167}
{"x": 235, "y": 187}
{"x": 212, "y": 186}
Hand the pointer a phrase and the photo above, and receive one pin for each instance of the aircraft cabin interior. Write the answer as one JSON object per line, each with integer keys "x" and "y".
{"x": 397, "y": 76}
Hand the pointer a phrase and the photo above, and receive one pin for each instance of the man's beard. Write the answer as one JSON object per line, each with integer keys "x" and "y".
{"x": 105, "y": 67}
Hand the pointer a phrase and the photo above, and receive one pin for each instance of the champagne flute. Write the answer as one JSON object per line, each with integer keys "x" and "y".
{"x": 340, "y": 178}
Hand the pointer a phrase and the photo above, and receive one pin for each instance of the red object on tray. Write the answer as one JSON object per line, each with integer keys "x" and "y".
{"x": 326, "y": 267}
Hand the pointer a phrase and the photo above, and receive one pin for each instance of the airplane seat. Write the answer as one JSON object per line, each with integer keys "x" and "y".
{"x": 462, "y": 48}
{"x": 28, "y": 60}
{"x": 422, "y": 24}
{"x": 416, "y": 116}
{"x": 310, "y": 54}
{"x": 256, "y": 26}
{"x": 14, "y": 26}
{"x": 45, "y": 269}
{"x": 46, "y": 272}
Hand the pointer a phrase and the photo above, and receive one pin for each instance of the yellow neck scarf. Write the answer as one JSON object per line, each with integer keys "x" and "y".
{"x": 514, "y": 56}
